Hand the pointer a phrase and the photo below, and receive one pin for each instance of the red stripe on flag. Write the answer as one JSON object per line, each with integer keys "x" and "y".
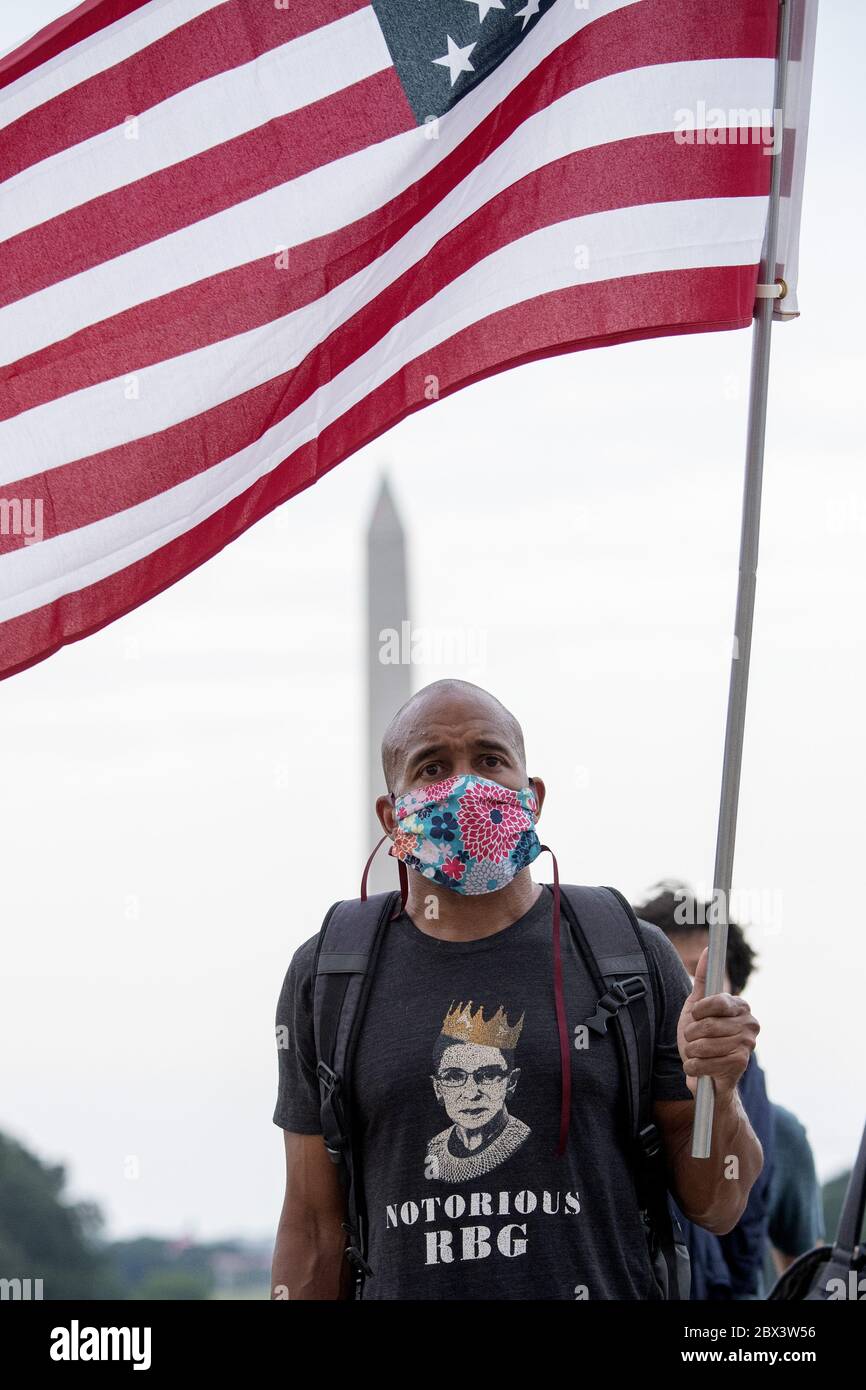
{"x": 219, "y": 178}
{"x": 685, "y": 301}
{"x": 650, "y": 34}
{"x": 87, "y": 19}
{"x": 221, "y": 39}
{"x": 87, "y": 489}
{"x": 646, "y": 170}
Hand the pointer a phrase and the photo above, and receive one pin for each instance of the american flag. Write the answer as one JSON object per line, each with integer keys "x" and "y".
{"x": 241, "y": 238}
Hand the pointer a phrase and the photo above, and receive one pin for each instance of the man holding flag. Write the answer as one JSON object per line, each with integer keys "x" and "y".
{"x": 489, "y": 1162}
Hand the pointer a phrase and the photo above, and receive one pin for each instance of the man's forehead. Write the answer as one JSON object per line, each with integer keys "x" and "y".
{"x": 452, "y": 720}
{"x": 444, "y": 732}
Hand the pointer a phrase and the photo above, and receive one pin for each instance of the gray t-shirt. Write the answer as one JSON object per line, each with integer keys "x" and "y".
{"x": 457, "y": 1086}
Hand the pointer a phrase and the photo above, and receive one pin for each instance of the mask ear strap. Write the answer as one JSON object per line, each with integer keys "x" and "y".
{"x": 404, "y": 879}
{"x": 404, "y": 889}
{"x": 562, "y": 1026}
{"x": 379, "y": 844}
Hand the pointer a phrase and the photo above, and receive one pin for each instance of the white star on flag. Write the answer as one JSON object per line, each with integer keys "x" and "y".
{"x": 456, "y": 60}
{"x": 485, "y": 6}
{"x": 529, "y": 11}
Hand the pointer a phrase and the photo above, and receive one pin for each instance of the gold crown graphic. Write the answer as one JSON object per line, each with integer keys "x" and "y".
{"x": 464, "y": 1025}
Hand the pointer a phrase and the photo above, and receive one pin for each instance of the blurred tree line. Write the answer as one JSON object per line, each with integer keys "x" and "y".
{"x": 44, "y": 1235}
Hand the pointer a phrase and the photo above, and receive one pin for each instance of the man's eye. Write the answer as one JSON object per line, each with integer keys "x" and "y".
{"x": 431, "y": 769}
{"x": 491, "y": 760}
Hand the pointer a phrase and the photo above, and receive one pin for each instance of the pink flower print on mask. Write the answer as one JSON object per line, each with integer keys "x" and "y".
{"x": 491, "y": 821}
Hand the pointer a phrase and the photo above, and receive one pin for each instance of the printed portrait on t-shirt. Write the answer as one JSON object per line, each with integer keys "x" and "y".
{"x": 473, "y": 1077}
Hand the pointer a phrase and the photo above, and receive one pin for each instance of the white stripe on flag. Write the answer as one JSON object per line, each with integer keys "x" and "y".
{"x": 88, "y": 421}
{"x": 97, "y": 53}
{"x": 560, "y": 24}
{"x": 657, "y": 237}
{"x": 643, "y": 101}
{"x": 220, "y": 108}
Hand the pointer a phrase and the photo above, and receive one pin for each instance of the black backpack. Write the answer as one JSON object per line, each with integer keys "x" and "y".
{"x": 837, "y": 1271}
{"x": 606, "y": 935}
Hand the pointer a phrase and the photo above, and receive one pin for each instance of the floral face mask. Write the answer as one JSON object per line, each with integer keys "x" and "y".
{"x": 467, "y": 833}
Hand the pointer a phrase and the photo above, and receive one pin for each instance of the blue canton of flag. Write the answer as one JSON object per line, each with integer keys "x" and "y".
{"x": 443, "y": 48}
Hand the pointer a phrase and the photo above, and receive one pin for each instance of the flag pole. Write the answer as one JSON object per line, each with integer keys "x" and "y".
{"x": 768, "y": 291}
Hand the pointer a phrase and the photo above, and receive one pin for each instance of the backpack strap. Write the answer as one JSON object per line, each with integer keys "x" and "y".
{"x": 607, "y": 936}
{"x": 345, "y": 958}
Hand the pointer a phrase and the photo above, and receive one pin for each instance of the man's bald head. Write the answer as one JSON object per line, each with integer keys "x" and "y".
{"x": 453, "y": 724}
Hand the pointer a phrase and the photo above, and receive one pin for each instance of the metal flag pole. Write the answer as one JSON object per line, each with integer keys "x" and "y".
{"x": 739, "y": 684}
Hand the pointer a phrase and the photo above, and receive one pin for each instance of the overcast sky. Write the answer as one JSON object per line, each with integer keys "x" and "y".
{"x": 183, "y": 793}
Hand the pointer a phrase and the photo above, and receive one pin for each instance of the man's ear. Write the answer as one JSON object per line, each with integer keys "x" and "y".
{"x": 386, "y": 813}
{"x": 540, "y": 791}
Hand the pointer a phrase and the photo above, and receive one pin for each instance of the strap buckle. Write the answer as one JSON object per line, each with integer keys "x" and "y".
{"x": 330, "y": 1085}
{"x": 353, "y": 1253}
{"x": 357, "y": 1261}
{"x": 619, "y": 996}
{"x": 650, "y": 1174}
{"x": 650, "y": 1141}
{"x": 329, "y": 1079}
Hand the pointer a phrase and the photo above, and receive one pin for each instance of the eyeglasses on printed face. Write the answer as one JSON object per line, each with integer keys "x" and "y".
{"x": 482, "y": 1076}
